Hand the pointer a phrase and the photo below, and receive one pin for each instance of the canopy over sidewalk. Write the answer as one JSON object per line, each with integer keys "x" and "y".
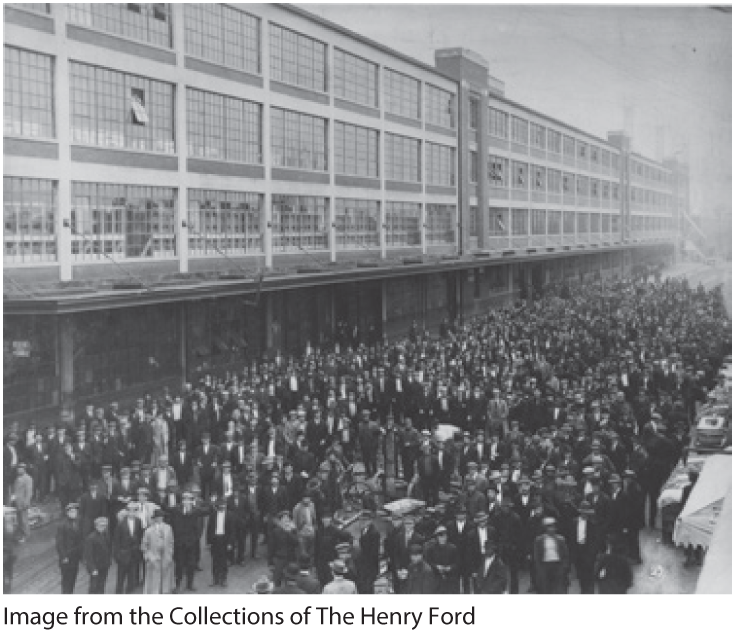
{"x": 716, "y": 576}
{"x": 698, "y": 519}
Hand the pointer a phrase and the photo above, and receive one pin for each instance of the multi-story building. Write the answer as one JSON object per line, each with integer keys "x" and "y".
{"x": 186, "y": 186}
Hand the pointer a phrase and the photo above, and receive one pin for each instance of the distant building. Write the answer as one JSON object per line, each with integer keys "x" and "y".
{"x": 158, "y": 158}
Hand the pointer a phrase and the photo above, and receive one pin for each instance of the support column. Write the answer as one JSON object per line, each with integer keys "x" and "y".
{"x": 267, "y": 162}
{"x": 63, "y": 116}
{"x": 422, "y": 224}
{"x": 183, "y": 341}
{"x": 66, "y": 365}
{"x": 182, "y": 220}
{"x": 384, "y": 306}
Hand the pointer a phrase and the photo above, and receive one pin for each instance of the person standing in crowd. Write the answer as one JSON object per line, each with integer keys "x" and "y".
{"x": 220, "y": 538}
{"x": 157, "y": 547}
{"x": 22, "y": 497}
{"x": 551, "y": 557}
{"x": 126, "y": 540}
{"x": 612, "y": 570}
{"x": 184, "y": 522}
{"x": 97, "y": 555}
{"x": 69, "y": 547}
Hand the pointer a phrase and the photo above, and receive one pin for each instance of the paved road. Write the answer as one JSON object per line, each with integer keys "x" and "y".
{"x": 662, "y": 571}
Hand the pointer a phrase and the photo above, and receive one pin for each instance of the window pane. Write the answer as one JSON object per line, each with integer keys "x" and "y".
{"x": 29, "y": 207}
{"x": 122, "y": 221}
{"x": 114, "y": 109}
{"x": 402, "y": 94}
{"x": 298, "y": 59}
{"x": 28, "y": 94}
{"x": 149, "y": 23}
{"x": 223, "y": 35}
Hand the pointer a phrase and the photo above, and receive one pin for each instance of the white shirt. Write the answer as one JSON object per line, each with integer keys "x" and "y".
{"x": 13, "y": 455}
{"x": 482, "y": 533}
{"x": 162, "y": 478}
{"x": 176, "y": 411}
{"x": 227, "y": 484}
{"x": 220, "y": 528}
{"x": 460, "y": 526}
{"x": 582, "y": 531}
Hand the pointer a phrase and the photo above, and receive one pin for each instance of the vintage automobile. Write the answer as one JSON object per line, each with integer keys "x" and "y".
{"x": 713, "y": 433}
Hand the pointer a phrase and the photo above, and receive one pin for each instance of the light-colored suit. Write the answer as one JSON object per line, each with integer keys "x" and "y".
{"x": 158, "y": 552}
{"x": 23, "y": 493}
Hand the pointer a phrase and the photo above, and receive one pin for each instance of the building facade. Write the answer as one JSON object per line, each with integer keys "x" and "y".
{"x": 187, "y": 186}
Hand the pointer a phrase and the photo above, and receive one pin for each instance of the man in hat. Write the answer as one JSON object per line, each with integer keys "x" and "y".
{"x": 368, "y": 432}
{"x": 635, "y": 518}
{"x": 157, "y": 546}
{"x": 182, "y": 462}
{"x": 283, "y": 543}
{"x": 306, "y": 580}
{"x": 263, "y": 586}
{"x": 328, "y": 537}
{"x": 420, "y": 579}
{"x": 11, "y": 459}
{"x": 273, "y": 500}
{"x": 443, "y": 557}
{"x": 220, "y": 538}
{"x": 38, "y": 459}
{"x": 251, "y": 493}
{"x": 551, "y": 560}
{"x": 305, "y": 520}
{"x": 185, "y": 525}
{"x": 491, "y": 576}
{"x": 69, "y": 547}
{"x": 368, "y": 559}
{"x": 612, "y": 570}
{"x": 126, "y": 548}
{"x": 97, "y": 555}
{"x": 458, "y": 529}
{"x": 162, "y": 476}
{"x": 224, "y": 484}
{"x": 92, "y": 505}
{"x": 205, "y": 459}
{"x": 475, "y": 501}
{"x": 429, "y": 474}
{"x": 22, "y": 496}
{"x": 409, "y": 442}
{"x": 122, "y": 492}
{"x": 508, "y": 535}
{"x": 237, "y": 505}
{"x": 585, "y": 547}
{"x": 339, "y": 584}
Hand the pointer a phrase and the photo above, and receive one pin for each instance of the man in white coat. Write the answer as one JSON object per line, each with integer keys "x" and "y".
{"x": 158, "y": 553}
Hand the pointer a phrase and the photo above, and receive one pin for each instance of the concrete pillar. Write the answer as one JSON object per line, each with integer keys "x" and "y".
{"x": 383, "y": 305}
{"x": 422, "y": 225}
{"x": 66, "y": 363}
{"x": 267, "y": 160}
{"x": 183, "y": 340}
{"x": 63, "y": 134}
{"x": 182, "y": 220}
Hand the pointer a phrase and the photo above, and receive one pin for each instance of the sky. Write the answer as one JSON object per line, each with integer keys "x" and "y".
{"x": 664, "y": 74}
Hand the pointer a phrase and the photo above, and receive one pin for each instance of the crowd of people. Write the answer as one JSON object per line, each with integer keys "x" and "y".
{"x": 565, "y": 416}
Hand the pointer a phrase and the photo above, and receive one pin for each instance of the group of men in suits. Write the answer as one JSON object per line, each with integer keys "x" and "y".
{"x": 550, "y": 402}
